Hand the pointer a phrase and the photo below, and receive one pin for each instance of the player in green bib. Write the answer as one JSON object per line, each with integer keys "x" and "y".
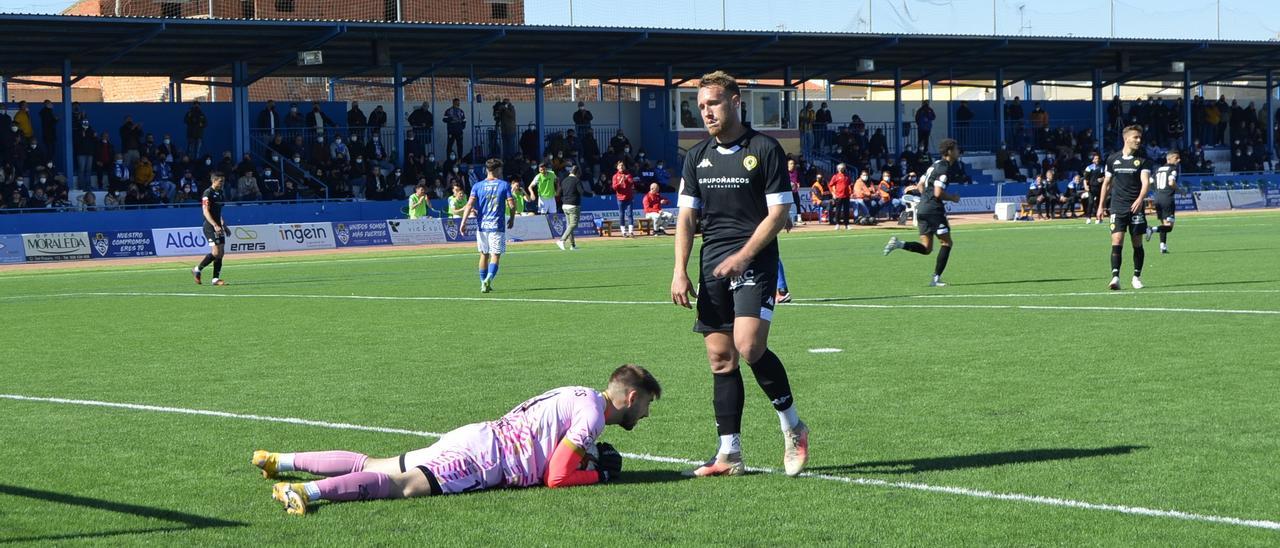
{"x": 457, "y": 202}
{"x": 419, "y": 203}
{"x": 544, "y": 186}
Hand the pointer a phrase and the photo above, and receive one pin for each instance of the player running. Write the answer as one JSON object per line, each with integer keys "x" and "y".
{"x": 543, "y": 441}
{"x": 489, "y": 197}
{"x": 215, "y": 228}
{"x": 737, "y": 181}
{"x": 931, "y": 215}
{"x": 1166, "y": 181}
{"x": 1127, "y": 179}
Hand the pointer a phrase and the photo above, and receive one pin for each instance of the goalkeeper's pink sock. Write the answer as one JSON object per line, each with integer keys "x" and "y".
{"x": 357, "y": 486}
{"x": 324, "y": 463}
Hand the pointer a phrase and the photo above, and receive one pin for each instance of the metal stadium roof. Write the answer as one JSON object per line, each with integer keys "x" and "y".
{"x": 37, "y": 45}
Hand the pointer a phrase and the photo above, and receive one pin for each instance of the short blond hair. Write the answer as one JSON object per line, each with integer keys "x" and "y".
{"x": 722, "y": 79}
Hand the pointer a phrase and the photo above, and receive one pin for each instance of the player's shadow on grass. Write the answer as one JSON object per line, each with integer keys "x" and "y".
{"x": 651, "y": 476}
{"x": 565, "y": 288}
{"x": 1036, "y": 281}
{"x": 979, "y": 460}
{"x": 1238, "y": 250}
{"x": 1226, "y": 283}
{"x": 182, "y": 521}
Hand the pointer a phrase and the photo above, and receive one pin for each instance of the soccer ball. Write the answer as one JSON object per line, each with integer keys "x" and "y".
{"x": 589, "y": 461}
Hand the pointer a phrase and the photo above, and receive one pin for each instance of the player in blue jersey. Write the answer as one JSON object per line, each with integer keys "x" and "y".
{"x": 490, "y": 198}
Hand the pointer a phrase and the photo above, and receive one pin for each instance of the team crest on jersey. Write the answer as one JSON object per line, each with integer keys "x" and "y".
{"x": 1136, "y": 162}
{"x": 750, "y": 162}
{"x": 101, "y": 244}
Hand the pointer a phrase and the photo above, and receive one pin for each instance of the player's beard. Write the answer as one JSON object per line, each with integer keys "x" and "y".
{"x": 629, "y": 419}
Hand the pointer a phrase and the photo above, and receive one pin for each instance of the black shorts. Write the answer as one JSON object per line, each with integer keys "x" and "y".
{"x": 933, "y": 223}
{"x": 1165, "y": 211}
{"x": 214, "y": 237}
{"x": 721, "y": 300}
{"x": 1133, "y": 223}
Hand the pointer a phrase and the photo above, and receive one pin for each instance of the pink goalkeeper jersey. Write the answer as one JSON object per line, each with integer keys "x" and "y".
{"x": 528, "y": 435}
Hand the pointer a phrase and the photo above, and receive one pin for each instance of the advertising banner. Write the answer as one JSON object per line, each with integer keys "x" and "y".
{"x": 451, "y": 230}
{"x": 1250, "y": 198}
{"x": 972, "y": 204}
{"x": 292, "y": 237}
{"x": 529, "y": 228}
{"x": 56, "y": 246}
{"x": 252, "y": 238}
{"x": 586, "y": 225}
{"x": 1273, "y": 196}
{"x": 361, "y": 233}
{"x": 416, "y": 231}
{"x": 1184, "y": 201}
{"x": 114, "y": 244}
{"x": 171, "y": 242}
{"x": 1212, "y": 200}
{"x": 11, "y": 249}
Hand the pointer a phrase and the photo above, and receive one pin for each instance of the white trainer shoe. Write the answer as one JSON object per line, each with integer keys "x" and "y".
{"x": 1136, "y": 282}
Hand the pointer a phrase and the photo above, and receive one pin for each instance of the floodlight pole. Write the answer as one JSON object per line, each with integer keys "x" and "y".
{"x": 66, "y": 153}
{"x": 539, "y": 107}
{"x": 397, "y": 97}
{"x": 897, "y": 110}
{"x": 999, "y": 107}
{"x": 1270, "y": 121}
{"x": 1097, "y": 109}
{"x": 1186, "y": 107}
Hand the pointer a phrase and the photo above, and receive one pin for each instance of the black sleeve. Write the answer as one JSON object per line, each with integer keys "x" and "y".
{"x": 690, "y": 192}
{"x": 774, "y": 164}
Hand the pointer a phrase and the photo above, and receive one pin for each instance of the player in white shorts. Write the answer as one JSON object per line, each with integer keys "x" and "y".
{"x": 490, "y": 198}
{"x": 543, "y": 441}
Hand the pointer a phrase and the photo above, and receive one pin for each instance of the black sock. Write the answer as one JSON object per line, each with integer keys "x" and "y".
{"x": 728, "y": 399}
{"x": 772, "y": 378}
{"x": 217, "y": 267}
{"x": 1164, "y": 235}
{"x": 1138, "y": 255}
{"x": 1116, "y": 250}
{"x": 208, "y": 258}
{"x": 916, "y": 247}
{"x": 1164, "y": 229}
{"x": 941, "y": 265}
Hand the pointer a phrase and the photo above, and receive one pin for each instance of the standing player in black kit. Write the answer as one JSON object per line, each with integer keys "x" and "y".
{"x": 1166, "y": 185}
{"x": 1127, "y": 179}
{"x": 737, "y": 181}
{"x": 215, "y": 228}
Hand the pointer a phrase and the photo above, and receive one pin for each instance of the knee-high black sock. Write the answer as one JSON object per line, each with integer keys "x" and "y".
{"x": 208, "y": 258}
{"x": 1116, "y": 250}
{"x": 217, "y": 267}
{"x": 728, "y": 399}
{"x": 941, "y": 265}
{"x": 916, "y": 247}
{"x": 1164, "y": 235}
{"x": 772, "y": 378}
{"x": 1164, "y": 229}
{"x": 1138, "y": 255}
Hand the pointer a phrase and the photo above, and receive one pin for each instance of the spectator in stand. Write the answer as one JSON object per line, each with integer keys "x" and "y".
{"x": 188, "y": 192}
{"x": 196, "y": 121}
{"x": 38, "y": 199}
{"x": 412, "y": 146}
{"x": 247, "y": 188}
{"x": 357, "y": 122}
{"x": 455, "y": 121}
{"x": 1040, "y": 125}
{"x": 820, "y": 199}
{"x": 582, "y": 119}
{"x": 83, "y": 142}
{"x": 687, "y": 118}
{"x": 455, "y": 177}
{"x": 378, "y": 154}
{"x": 1031, "y": 161}
{"x": 422, "y": 122}
{"x": 164, "y": 179}
{"x": 112, "y": 199}
{"x": 805, "y": 125}
{"x": 529, "y": 142}
{"x": 191, "y": 182}
{"x": 878, "y": 148}
{"x": 272, "y": 186}
{"x": 841, "y": 191}
{"x": 620, "y": 142}
{"x": 48, "y": 126}
{"x": 320, "y": 155}
{"x": 269, "y": 120}
{"x": 291, "y": 191}
{"x": 1013, "y": 118}
{"x": 121, "y": 176}
{"x": 885, "y": 193}
{"x": 203, "y": 169}
{"x": 653, "y": 202}
{"x": 1052, "y": 194}
{"x": 507, "y": 122}
{"x": 318, "y": 121}
{"x": 378, "y": 121}
{"x": 963, "y": 118}
{"x": 17, "y": 200}
{"x": 359, "y": 177}
{"x": 339, "y": 154}
{"x": 822, "y": 130}
{"x": 143, "y": 174}
{"x": 624, "y": 191}
{"x": 860, "y": 198}
{"x": 380, "y": 187}
{"x": 103, "y": 156}
{"x": 294, "y": 121}
{"x": 88, "y": 201}
{"x": 924, "y": 125}
{"x": 130, "y": 141}
{"x": 1072, "y": 196}
{"x": 23, "y": 120}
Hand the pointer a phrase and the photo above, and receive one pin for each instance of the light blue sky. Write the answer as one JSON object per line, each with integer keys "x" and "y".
{"x": 1197, "y": 19}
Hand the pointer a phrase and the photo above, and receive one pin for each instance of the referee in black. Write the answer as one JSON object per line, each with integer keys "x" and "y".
{"x": 737, "y": 181}
{"x": 215, "y": 228}
{"x": 1166, "y": 185}
{"x": 1128, "y": 176}
{"x": 931, "y": 214}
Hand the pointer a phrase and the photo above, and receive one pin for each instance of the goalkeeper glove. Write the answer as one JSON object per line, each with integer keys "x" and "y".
{"x": 609, "y": 462}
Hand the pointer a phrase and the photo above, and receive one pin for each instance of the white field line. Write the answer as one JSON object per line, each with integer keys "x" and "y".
{"x": 962, "y": 491}
{"x": 649, "y": 303}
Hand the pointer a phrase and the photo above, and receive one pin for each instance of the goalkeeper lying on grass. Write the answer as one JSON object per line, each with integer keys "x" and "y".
{"x": 546, "y": 440}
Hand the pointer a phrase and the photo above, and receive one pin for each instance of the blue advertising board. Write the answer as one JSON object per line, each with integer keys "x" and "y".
{"x": 114, "y": 244}
{"x": 361, "y": 233}
{"x": 11, "y": 250}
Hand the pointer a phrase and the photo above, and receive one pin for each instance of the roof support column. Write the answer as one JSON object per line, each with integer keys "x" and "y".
{"x": 65, "y": 154}
{"x": 668, "y": 123}
{"x": 177, "y": 89}
{"x": 999, "y": 85}
{"x": 1097, "y": 111}
{"x": 240, "y": 107}
{"x": 1186, "y": 109}
{"x": 431, "y": 135}
{"x": 618, "y": 97}
{"x": 897, "y": 112}
{"x": 539, "y": 107}
{"x": 333, "y": 91}
{"x": 4, "y": 89}
{"x": 787, "y": 98}
{"x": 397, "y": 80}
{"x": 475, "y": 126}
{"x": 1269, "y": 121}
